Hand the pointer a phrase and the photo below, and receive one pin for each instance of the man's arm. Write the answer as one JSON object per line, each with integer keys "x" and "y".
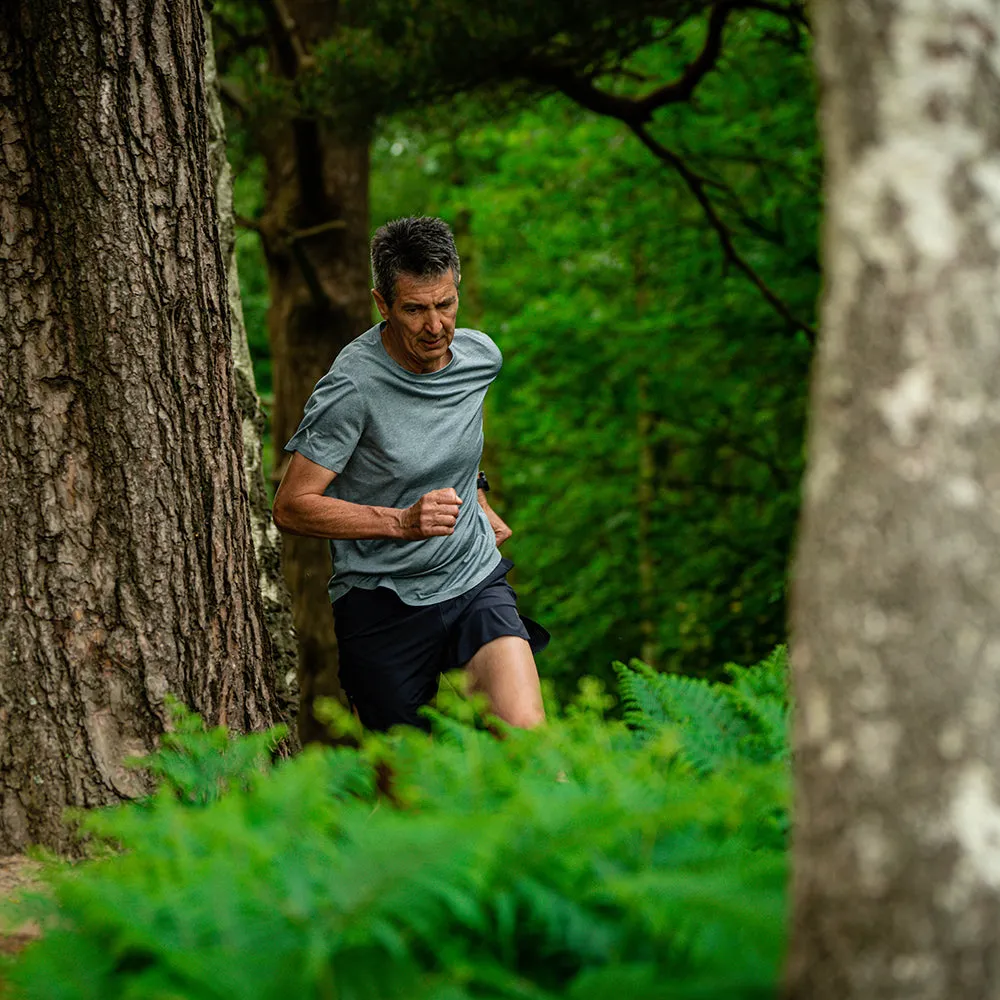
{"x": 497, "y": 523}
{"x": 300, "y": 508}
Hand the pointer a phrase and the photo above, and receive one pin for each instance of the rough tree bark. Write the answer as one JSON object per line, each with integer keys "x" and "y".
{"x": 126, "y": 562}
{"x": 266, "y": 539}
{"x": 314, "y": 230}
{"x": 896, "y": 601}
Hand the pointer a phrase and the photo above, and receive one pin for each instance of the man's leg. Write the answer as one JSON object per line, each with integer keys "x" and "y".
{"x": 504, "y": 670}
{"x": 389, "y": 657}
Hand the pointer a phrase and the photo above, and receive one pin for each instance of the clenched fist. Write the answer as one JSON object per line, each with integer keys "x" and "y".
{"x": 435, "y": 513}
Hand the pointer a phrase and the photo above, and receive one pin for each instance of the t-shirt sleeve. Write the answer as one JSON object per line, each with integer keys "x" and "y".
{"x": 497, "y": 356}
{"x": 489, "y": 352}
{"x": 332, "y": 424}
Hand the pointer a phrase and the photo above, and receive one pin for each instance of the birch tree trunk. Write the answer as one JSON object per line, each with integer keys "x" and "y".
{"x": 266, "y": 539}
{"x": 126, "y": 562}
{"x": 896, "y": 601}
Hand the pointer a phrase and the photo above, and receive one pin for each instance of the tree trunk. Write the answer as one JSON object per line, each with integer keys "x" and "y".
{"x": 266, "y": 539}
{"x": 645, "y": 495}
{"x": 645, "y": 485}
{"x": 126, "y": 558}
{"x": 315, "y": 236}
{"x": 896, "y": 606}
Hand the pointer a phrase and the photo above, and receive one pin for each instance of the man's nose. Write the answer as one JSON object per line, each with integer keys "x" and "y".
{"x": 434, "y": 324}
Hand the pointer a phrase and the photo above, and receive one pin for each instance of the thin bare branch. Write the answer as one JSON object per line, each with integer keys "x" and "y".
{"x": 252, "y": 224}
{"x": 634, "y": 110}
{"x": 232, "y": 94}
{"x": 696, "y": 186}
{"x": 323, "y": 227}
{"x": 723, "y": 437}
{"x": 684, "y": 86}
{"x": 639, "y": 110}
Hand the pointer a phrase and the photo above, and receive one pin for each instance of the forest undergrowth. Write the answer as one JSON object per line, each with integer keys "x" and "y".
{"x": 632, "y": 845}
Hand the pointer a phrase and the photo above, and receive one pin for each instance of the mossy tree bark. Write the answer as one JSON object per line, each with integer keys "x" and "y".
{"x": 126, "y": 560}
{"x": 896, "y": 599}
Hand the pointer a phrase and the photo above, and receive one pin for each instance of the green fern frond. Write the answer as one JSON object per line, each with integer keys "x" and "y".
{"x": 643, "y": 710}
{"x": 712, "y": 730}
{"x": 529, "y": 867}
{"x": 760, "y": 695}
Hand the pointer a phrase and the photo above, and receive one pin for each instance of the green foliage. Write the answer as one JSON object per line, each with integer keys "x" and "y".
{"x": 578, "y": 860}
{"x": 720, "y": 723}
{"x": 198, "y": 765}
{"x": 395, "y": 54}
{"x": 645, "y": 437}
{"x": 248, "y": 192}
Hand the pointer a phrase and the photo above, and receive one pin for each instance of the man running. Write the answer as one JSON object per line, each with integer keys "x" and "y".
{"x": 385, "y": 464}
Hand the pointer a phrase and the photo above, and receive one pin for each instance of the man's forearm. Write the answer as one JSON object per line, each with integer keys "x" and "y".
{"x": 328, "y": 517}
{"x": 497, "y": 523}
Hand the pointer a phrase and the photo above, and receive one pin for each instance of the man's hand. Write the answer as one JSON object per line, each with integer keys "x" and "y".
{"x": 499, "y": 526}
{"x": 497, "y": 523}
{"x": 435, "y": 513}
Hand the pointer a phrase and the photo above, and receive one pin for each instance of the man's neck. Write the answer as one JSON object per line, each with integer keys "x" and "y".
{"x": 393, "y": 348}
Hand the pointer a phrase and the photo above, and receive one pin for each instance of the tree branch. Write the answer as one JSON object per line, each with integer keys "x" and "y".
{"x": 323, "y": 227}
{"x": 252, "y": 224}
{"x": 639, "y": 110}
{"x": 684, "y": 86}
{"x": 794, "y": 12}
{"x": 232, "y": 94}
{"x": 309, "y": 275}
{"x": 634, "y": 110}
{"x": 696, "y": 185}
{"x": 723, "y": 437}
{"x": 288, "y": 44}
{"x": 240, "y": 41}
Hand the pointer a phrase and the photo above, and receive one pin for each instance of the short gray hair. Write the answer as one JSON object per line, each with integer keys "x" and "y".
{"x": 421, "y": 246}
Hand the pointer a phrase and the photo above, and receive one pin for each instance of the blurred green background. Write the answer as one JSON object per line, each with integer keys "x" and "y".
{"x": 645, "y": 438}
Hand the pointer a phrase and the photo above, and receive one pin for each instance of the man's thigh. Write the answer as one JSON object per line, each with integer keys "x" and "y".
{"x": 492, "y": 642}
{"x": 390, "y": 656}
{"x": 504, "y": 670}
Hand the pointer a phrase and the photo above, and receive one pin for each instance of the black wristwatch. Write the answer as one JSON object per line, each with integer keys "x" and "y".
{"x": 482, "y": 483}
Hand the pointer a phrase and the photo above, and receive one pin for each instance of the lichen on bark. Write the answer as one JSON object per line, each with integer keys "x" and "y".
{"x": 896, "y": 583}
{"x": 267, "y": 541}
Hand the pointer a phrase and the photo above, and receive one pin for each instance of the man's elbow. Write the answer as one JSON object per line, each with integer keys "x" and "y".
{"x": 283, "y": 515}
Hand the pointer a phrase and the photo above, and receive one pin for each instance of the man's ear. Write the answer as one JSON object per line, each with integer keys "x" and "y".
{"x": 380, "y": 304}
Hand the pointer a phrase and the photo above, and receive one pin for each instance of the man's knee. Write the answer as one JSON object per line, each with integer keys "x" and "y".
{"x": 528, "y": 716}
{"x": 505, "y": 671}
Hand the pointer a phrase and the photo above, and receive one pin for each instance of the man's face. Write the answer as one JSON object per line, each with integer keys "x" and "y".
{"x": 420, "y": 323}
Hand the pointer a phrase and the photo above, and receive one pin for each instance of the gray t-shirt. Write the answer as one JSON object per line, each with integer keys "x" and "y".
{"x": 391, "y": 436}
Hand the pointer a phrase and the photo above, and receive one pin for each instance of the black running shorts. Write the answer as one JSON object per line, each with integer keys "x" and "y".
{"x": 392, "y": 654}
